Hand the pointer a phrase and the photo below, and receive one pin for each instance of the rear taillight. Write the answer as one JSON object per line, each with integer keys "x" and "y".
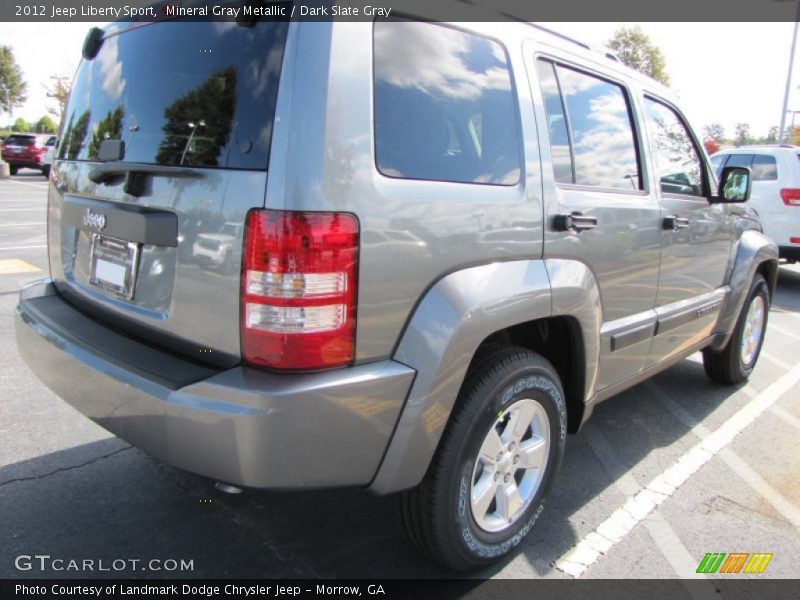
{"x": 299, "y": 289}
{"x": 790, "y": 196}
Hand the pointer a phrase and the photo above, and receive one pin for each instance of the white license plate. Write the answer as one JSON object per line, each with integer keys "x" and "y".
{"x": 113, "y": 265}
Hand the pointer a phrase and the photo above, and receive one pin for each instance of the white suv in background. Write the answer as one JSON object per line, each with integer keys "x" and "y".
{"x": 776, "y": 190}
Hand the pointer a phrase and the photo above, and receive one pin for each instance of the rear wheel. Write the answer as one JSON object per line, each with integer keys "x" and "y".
{"x": 46, "y": 171}
{"x": 735, "y": 362}
{"x": 12, "y": 169}
{"x": 495, "y": 465}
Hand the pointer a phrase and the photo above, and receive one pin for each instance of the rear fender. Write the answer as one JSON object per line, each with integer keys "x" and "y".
{"x": 452, "y": 320}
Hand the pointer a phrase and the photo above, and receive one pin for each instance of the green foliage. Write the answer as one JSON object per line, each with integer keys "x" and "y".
{"x": 198, "y": 124}
{"x": 75, "y": 136}
{"x": 715, "y": 132}
{"x": 11, "y": 78}
{"x": 109, "y": 128}
{"x": 742, "y": 136}
{"x": 60, "y": 93}
{"x": 45, "y": 125}
{"x": 634, "y": 48}
{"x": 21, "y": 125}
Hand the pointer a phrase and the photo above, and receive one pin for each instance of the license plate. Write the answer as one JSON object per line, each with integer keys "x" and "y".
{"x": 113, "y": 266}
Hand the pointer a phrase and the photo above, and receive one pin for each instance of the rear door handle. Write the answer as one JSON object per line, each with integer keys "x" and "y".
{"x": 575, "y": 221}
{"x": 675, "y": 222}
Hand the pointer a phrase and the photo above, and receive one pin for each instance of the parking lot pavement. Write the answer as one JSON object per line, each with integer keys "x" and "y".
{"x": 70, "y": 490}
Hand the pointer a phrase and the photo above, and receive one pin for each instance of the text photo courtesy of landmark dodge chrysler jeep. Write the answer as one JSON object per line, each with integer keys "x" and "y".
{"x": 445, "y": 244}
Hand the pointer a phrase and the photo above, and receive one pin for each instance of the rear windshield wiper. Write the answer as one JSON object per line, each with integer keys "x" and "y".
{"x": 136, "y": 174}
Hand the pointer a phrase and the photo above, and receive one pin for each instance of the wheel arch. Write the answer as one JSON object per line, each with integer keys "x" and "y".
{"x": 525, "y": 302}
{"x": 755, "y": 254}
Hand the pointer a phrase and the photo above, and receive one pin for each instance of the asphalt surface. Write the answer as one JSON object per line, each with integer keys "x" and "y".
{"x": 70, "y": 490}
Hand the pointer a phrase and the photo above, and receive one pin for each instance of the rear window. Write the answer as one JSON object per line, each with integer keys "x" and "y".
{"x": 180, "y": 93}
{"x": 764, "y": 168}
{"x": 444, "y": 106}
{"x": 20, "y": 140}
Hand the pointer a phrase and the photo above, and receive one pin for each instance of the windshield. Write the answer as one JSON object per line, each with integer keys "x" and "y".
{"x": 179, "y": 93}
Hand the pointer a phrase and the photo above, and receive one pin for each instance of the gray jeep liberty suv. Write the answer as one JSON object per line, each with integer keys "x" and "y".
{"x": 451, "y": 242}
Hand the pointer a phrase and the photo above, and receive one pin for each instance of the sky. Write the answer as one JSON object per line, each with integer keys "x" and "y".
{"x": 722, "y": 72}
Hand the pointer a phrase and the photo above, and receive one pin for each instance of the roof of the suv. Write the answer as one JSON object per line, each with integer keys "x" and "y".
{"x": 761, "y": 149}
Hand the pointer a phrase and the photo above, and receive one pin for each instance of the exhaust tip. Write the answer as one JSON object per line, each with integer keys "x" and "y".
{"x": 228, "y": 488}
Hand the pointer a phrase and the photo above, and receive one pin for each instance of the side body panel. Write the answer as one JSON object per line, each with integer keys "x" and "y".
{"x": 414, "y": 232}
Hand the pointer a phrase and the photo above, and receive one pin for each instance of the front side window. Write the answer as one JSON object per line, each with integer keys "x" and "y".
{"x": 444, "y": 106}
{"x": 591, "y": 133}
{"x": 677, "y": 163}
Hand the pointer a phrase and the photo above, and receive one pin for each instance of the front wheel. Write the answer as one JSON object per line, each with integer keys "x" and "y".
{"x": 495, "y": 465}
{"x": 12, "y": 169}
{"x": 736, "y": 361}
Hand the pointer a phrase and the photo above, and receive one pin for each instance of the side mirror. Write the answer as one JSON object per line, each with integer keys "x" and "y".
{"x": 734, "y": 184}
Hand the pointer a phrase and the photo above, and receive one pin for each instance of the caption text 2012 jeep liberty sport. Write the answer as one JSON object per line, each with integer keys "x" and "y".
{"x": 446, "y": 243}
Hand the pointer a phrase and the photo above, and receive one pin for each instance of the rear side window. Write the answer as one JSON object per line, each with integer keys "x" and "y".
{"x": 678, "y": 165}
{"x": 764, "y": 168}
{"x": 444, "y": 105}
{"x": 180, "y": 93}
{"x": 591, "y": 130}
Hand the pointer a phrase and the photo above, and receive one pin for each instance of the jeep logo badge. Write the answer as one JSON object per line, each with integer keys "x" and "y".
{"x": 94, "y": 221}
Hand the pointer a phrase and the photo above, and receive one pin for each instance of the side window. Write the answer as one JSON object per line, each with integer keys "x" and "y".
{"x": 591, "y": 133}
{"x": 764, "y": 168}
{"x": 717, "y": 163}
{"x": 740, "y": 160}
{"x": 678, "y": 165}
{"x": 444, "y": 105}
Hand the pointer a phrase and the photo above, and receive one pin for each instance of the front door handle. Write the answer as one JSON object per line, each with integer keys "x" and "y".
{"x": 675, "y": 222}
{"x": 575, "y": 221}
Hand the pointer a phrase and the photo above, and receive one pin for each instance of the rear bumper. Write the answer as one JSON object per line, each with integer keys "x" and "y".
{"x": 23, "y": 163}
{"x": 243, "y": 426}
{"x": 789, "y": 252}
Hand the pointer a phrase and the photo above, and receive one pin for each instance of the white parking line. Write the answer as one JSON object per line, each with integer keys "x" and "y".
{"x": 668, "y": 542}
{"x": 757, "y": 483}
{"x": 28, "y": 224}
{"x": 776, "y": 360}
{"x": 784, "y": 331}
{"x": 41, "y": 186}
{"x": 785, "y": 415}
{"x": 622, "y": 521}
{"x": 23, "y": 247}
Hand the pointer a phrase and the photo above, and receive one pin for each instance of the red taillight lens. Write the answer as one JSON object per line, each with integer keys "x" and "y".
{"x": 790, "y": 196}
{"x": 299, "y": 289}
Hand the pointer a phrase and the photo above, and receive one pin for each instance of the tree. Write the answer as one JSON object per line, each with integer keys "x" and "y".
{"x": 11, "y": 78}
{"x": 45, "y": 125}
{"x": 772, "y": 135}
{"x": 634, "y": 48}
{"x": 21, "y": 125}
{"x": 59, "y": 91}
{"x": 715, "y": 132}
{"x": 742, "y": 135}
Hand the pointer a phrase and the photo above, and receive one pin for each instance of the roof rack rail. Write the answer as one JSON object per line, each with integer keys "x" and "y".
{"x": 559, "y": 35}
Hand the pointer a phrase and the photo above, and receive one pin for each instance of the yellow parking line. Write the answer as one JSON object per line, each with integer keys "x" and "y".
{"x": 11, "y": 266}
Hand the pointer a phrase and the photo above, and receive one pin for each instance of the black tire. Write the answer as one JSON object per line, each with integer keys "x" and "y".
{"x": 46, "y": 171}
{"x": 727, "y": 365}
{"x": 437, "y": 515}
{"x": 12, "y": 169}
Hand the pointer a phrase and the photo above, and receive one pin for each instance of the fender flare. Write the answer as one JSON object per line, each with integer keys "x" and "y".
{"x": 753, "y": 249}
{"x": 449, "y": 324}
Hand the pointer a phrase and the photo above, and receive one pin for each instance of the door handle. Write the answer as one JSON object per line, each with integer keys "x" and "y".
{"x": 675, "y": 222}
{"x": 575, "y": 221}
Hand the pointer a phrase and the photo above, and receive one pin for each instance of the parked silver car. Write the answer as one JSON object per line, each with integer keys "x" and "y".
{"x": 453, "y": 241}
